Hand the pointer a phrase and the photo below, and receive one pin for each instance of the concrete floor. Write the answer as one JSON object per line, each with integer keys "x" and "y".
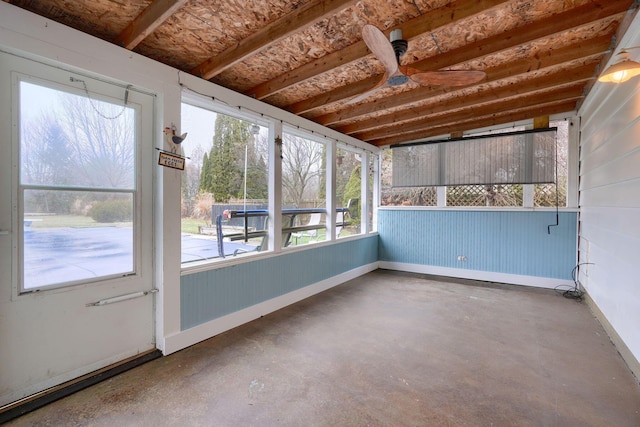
{"x": 382, "y": 350}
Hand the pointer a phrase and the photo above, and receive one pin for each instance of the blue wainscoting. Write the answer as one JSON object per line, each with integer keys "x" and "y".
{"x": 208, "y": 295}
{"x": 510, "y": 242}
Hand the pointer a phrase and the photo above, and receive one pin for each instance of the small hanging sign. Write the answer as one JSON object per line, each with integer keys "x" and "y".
{"x": 171, "y": 161}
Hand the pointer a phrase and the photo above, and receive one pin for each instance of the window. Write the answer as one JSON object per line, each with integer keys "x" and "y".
{"x": 304, "y": 198}
{"x": 496, "y": 194}
{"x": 225, "y": 175}
{"x": 78, "y": 189}
{"x": 402, "y": 196}
{"x": 225, "y": 185}
{"x": 373, "y": 168}
{"x": 548, "y": 195}
{"x": 348, "y": 192}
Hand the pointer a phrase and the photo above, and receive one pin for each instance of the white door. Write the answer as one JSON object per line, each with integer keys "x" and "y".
{"x": 76, "y": 276}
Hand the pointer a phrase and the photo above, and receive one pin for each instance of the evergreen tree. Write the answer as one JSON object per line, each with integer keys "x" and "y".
{"x": 257, "y": 176}
{"x": 348, "y": 161}
{"x": 223, "y": 173}
{"x": 353, "y": 189}
{"x": 205, "y": 175}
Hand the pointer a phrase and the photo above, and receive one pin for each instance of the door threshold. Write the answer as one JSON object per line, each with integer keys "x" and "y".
{"x": 38, "y": 400}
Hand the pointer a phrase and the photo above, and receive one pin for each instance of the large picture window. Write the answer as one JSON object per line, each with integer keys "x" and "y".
{"x": 226, "y": 173}
{"x": 304, "y": 198}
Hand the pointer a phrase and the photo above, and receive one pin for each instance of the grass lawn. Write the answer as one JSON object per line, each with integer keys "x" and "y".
{"x": 77, "y": 221}
{"x": 190, "y": 225}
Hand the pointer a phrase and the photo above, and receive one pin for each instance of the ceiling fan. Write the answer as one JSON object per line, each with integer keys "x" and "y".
{"x": 389, "y": 53}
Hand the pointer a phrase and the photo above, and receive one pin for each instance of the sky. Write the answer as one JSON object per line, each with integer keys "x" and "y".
{"x": 199, "y": 124}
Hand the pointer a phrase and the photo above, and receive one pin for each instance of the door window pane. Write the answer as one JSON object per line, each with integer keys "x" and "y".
{"x": 72, "y": 236}
{"x": 71, "y": 140}
{"x": 77, "y": 190}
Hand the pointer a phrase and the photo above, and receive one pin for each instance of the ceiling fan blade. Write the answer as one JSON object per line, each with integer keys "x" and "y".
{"x": 379, "y": 44}
{"x": 444, "y": 78}
{"x": 380, "y": 85}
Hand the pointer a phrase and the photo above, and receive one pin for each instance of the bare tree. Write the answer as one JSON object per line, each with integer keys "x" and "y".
{"x": 44, "y": 153}
{"x": 101, "y": 138}
{"x": 191, "y": 180}
{"x": 301, "y": 168}
{"x": 44, "y": 160}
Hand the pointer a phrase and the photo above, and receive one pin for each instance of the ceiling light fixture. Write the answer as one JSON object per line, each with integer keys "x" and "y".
{"x": 623, "y": 70}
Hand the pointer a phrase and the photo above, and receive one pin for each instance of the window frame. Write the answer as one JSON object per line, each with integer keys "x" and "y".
{"x": 363, "y": 185}
{"x": 199, "y": 101}
{"x": 528, "y": 189}
{"x": 96, "y": 91}
{"x": 277, "y": 127}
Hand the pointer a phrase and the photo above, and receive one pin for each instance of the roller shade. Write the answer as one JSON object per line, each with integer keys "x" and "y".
{"x": 527, "y": 157}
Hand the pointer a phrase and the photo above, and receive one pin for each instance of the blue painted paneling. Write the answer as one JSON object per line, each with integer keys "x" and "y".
{"x": 512, "y": 242}
{"x": 208, "y": 295}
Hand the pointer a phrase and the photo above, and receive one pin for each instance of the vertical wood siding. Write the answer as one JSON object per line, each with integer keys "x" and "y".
{"x": 511, "y": 242}
{"x": 208, "y": 295}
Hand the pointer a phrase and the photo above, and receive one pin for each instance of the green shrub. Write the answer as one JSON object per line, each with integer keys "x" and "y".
{"x": 111, "y": 211}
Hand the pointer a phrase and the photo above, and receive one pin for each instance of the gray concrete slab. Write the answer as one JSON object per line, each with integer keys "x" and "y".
{"x": 382, "y": 350}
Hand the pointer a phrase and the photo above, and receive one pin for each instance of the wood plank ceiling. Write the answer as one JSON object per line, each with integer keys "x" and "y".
{"x": 541, "y": 57}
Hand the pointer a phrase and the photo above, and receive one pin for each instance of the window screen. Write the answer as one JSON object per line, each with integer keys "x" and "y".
{"x": 526, "y": 157}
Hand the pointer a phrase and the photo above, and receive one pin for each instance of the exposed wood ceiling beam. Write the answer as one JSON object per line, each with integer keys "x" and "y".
{"x": 572, "y": 92}
{"x": 295, "y": 21}
{"x": 333, "y": 96}
{"x": 480, "y": 122}
{"x": 542, "y": 60}
{"x": 528, "y": 33}
{"x": 428, "y": 22}
{"x": 488, "y": 94}
{"x": 525, "y": 34}
{"x": 146, "y": 23}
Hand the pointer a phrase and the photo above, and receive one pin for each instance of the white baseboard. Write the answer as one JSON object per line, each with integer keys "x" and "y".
{"x": 194, "y": 335}
{"x": 631, "y": 361}
{"x": 514, "y": 279}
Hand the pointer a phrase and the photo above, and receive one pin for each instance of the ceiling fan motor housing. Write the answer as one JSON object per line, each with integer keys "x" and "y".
{"x": 399, "y": 44}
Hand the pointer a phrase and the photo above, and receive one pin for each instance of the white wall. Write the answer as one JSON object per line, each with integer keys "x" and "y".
{"x": 610, "y": 205}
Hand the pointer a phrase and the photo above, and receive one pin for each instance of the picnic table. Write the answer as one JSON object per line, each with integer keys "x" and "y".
{"x": 248, "y": 232}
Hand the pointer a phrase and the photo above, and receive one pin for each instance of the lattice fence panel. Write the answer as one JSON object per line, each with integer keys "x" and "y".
{"x": 544, "y": 195}
{"x": 485, "y": 195}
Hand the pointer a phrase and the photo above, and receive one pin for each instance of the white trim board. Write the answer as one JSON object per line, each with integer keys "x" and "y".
{"x": 488, "y": 276}
{"x": 619, "y": 344}
{"x": 199, "y": 333}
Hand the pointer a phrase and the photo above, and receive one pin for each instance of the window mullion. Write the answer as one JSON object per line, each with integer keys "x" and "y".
{"x": 330, "y": 195}
{"x": 275, "y": 187}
